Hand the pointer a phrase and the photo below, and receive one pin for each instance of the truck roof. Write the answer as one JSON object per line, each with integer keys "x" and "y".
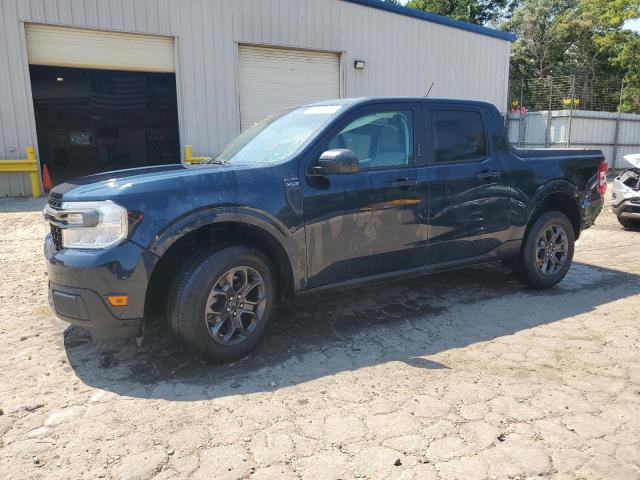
{"x": 364, "y": 100}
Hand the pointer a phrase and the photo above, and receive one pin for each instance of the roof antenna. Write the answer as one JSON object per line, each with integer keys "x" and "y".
{"x": 429, "y": 91}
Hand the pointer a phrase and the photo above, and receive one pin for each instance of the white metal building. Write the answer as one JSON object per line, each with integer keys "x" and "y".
{"x": 217, "y": 66}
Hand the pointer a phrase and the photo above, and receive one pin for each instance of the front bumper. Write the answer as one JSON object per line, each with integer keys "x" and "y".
{"x": 80, "y": 280}
{"x": 85, "y": 308}
{"x": 629, "y": 208}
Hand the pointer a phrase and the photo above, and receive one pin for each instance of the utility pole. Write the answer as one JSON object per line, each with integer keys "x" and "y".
{"x": 521, "y": 120}
{"x": 547, "y": 131}
{"x": 573, "y": 99}
{"x": 616, "y": 135}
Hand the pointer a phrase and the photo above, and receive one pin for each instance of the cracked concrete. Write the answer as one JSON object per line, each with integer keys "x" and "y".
{"x": 460, "y": 375}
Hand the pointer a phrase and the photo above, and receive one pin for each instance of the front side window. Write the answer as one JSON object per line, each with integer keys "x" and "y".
{"x": 277, "y": 137}
{"x": 459, "y": 135}
{"x": 379, "y": 140}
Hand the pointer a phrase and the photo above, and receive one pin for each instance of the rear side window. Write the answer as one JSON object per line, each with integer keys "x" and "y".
{"x": 459, "y": 135}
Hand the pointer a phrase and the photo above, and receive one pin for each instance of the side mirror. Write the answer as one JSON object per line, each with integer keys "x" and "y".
{"x": 337, "y": 162}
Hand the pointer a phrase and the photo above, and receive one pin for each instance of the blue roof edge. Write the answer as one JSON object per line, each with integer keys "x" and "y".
{"x": 432, "y": 17}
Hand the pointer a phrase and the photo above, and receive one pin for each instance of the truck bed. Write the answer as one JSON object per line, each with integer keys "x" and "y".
{"x": 547, "y": 153}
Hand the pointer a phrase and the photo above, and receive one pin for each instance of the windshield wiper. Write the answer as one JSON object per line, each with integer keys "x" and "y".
{"x": 214, "y": 161}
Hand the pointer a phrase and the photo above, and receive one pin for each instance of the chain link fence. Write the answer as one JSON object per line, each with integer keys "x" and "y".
{"x": 569, "y": 112}
{"x": 562, "y": 93}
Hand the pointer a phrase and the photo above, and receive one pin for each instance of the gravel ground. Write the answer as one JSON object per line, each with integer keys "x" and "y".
{"x": 458, "y": 375}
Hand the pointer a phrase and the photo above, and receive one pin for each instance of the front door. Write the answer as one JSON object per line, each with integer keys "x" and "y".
{"x": 469, "y": 191}
{"x": 374, "y": 221}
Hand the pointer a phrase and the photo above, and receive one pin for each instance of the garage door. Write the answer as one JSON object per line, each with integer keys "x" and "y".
{"x": 97, "y": 49}
{"x": 271, "y": 79}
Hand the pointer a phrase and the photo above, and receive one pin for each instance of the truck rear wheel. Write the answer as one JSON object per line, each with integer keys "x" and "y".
{"x": 221, "y": 302}
{"x": 547, "y": 252}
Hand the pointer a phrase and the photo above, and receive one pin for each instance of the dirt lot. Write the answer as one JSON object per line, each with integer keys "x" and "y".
{"x": 459, "y": 375}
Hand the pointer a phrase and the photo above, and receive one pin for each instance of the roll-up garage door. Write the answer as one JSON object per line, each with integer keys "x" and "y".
{"x": 98, "y": 49}
{"x": 271, "y": 79}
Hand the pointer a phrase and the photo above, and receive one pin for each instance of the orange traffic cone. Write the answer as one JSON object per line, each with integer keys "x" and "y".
{"x": 47, "y": 184}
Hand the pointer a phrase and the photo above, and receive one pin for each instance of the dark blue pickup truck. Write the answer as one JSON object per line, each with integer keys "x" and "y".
{"x": 331, "y": 194}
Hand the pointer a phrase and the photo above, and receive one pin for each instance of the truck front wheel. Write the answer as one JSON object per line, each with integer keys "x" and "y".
{"x": 547, "y": 252}
{"x": 221, "y": 302}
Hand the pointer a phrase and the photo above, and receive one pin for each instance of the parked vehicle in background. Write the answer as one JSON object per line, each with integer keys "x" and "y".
{"x": 326, "y": 195}
{"x": 625, "y": 194}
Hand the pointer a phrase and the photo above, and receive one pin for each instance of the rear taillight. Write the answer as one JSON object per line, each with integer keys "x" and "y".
{"x": 603, "y": 168}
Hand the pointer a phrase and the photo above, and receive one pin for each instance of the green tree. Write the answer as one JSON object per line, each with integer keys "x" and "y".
{"x": 583, "y": 38}
{"x": 624, "y": 56}
{"x": 542, "y": 38}
{"x": 475, "y": 11}
{"x": 607, "y": 16}
{"x": 561, "y": 38}
{"x": 620, "y": 48}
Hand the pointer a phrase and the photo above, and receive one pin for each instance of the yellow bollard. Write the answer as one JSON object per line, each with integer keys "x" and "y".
{"x": 35, "y": 178}
{"x": 28, "y": 165}
{"x": 188, "y": 155}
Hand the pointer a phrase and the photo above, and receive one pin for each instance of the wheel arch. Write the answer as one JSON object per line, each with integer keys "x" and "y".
{"x": 562, "y": 197}
{"x": 188, "y": 236}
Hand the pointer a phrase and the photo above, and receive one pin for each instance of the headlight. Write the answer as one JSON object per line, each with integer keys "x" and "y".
{"x": 90, "y": 224}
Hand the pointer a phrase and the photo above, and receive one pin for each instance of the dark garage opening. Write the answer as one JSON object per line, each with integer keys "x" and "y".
{"x": 91, "y": 121}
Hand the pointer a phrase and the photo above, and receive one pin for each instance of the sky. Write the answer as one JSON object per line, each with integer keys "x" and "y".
{"x": 633, "y": 24}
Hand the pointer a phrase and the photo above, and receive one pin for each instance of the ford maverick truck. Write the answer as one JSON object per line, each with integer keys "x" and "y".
{"x": 331, "y": 194}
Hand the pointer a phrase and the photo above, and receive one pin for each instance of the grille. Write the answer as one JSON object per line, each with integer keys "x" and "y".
{"x": 56, "y": 234}
{"x": 55, "y": 201}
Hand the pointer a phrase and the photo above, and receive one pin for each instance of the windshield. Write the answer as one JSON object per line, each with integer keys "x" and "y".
{"x": 276, "y": 137}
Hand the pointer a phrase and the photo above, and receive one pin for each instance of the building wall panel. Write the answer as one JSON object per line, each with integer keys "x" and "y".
{"x": 129, "y": 15}
{"x": 116, "y": 14}
{"x": 37, "y": 10}
{"x": 404, "y": 56}
{"x": 16, "y": 112}
{"x": 64, "y": 11}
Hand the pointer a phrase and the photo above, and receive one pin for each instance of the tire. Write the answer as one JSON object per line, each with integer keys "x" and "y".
{"x": 536, "y": 266}
{"x": 207, "y": 309}
{"x": 629, "y": 224}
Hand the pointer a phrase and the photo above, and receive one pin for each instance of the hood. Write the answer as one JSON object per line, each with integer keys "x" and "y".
{"x": 118, "y": 181}
{"x": 166, "y": 194}
{"x": 633, "y": 159}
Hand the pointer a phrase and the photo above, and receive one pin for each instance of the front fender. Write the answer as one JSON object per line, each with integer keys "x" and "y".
{"x": 290, "y": 239}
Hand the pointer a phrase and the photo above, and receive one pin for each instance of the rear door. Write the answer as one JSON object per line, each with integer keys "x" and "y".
{"x": 469, "y": 193}
{"x": 374, "y": 221}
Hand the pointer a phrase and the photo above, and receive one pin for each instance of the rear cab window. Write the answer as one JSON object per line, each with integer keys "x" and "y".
{"x": 459, "y": 135}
